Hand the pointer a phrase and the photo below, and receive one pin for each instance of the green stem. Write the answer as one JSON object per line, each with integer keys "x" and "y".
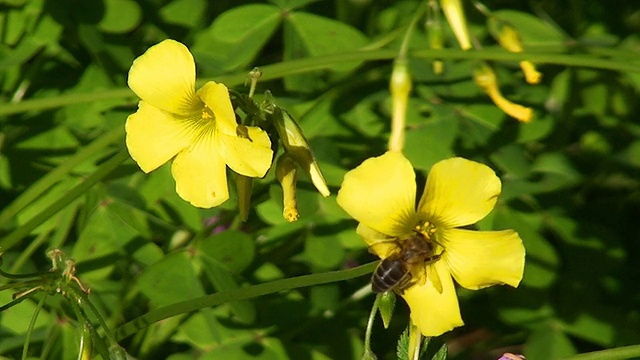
{"x": 279, "y": 70}
{"x": 626, "y": 352}
{"x": 368, "y": 331}
{"x": 32, "y": 324}
{"x": 38, "y": 188}
{"x": 249, "y": 292}
{"x": 79, "y": 190}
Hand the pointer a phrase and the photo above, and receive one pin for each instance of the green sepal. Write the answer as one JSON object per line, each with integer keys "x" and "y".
{"x": 386, "y": 305}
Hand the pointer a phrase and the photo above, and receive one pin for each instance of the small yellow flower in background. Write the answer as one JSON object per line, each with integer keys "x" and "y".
{"x": 380, "y": 194}
{"x": 197, "y": 129}
{"x": 485, "y": 78}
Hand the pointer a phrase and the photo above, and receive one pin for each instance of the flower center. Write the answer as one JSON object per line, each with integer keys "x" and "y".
{"x": 428, "y": 230}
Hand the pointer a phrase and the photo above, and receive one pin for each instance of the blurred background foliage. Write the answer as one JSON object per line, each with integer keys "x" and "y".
{"x": 570, "y": 177}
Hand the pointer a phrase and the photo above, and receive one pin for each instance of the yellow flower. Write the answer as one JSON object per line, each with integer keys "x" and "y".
{"x": 381, "y": 193}
{"x": 197, "y": 129}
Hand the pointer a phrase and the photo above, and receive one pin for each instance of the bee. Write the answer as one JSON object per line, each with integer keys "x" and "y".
{"x": 394, "y": 272}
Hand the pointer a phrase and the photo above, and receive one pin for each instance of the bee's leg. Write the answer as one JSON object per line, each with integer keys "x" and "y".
{"x": 432, "y": 259}
{"x": 406, "y": 282}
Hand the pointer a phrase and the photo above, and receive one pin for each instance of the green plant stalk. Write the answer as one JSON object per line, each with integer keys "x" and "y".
{"x": 39, "y": 187}
{"x": 32, "y": 324}
{"x": 249, "y": 292}
{"x": 621, "y": 353}
{"x": 299, "y": 66}
{"x": 79, "y": 190}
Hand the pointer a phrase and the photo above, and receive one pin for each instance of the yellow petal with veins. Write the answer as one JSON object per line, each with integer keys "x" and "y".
{"x": 434, "y": 312}
{"x": 154, "y": 136}
{"x": 201, "y": 174}
{"x": 249, "y": 154}
{"x": 478, "y": 259}
{"x": 216, "y": 97}
{"x": 380, "y": 193}
{"x": 459, "y": 192}
{"x": 165, "y": 77}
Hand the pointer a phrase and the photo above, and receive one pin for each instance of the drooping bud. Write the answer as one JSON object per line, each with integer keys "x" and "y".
{"x": 454, "y": 12}
{"x": 400, "y": 87}
{"x": 298, "y": 148}
{"x": 485, "y": 78}
{"x": 509, "y": 38}
{"x": 286, "y": 172}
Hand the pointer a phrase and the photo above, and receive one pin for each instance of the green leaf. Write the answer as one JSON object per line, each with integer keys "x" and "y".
{"x": 312, "y": 35}
{"x": 232, "y": 249}
{"x": 402, "y": 347}
{"x": 441, "y": 354}
{"x": 170, "y": 280}
{"x": 17, "y": 322}
{"x": 548, "y": 342}
{"x": 236, "y": 37}
{"x": 292, "y": 4}
{"x": 324, "y": 252}
{"x": 533, "y": 30}
{"x": 218, "y": 258}
{"x": 120, "y": 16}
{"x": 321, "y": 36}
{"x": 431, "y": 141}
{"x": 187, "y": 13}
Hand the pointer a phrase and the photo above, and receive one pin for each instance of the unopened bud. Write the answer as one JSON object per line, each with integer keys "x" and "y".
{"x": 485, "y": 78}
{"x": 286, "y": 172}
{"x": 400, "y": 87}
{"x": 455, "y": 16}
{"x": 298, "y": 148}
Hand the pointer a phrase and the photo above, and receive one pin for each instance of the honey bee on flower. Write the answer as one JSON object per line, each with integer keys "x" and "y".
{"x": 380, "y": 194}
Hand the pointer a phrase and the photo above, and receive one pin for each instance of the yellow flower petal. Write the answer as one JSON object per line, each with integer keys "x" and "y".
{"x": 379, "y": 243}
{"x": 248, "y": 154}
{"x": 433, "y": 312}
{"x": 478, "y": 259}
{"x": 459, "y": 192}
{"x": 380, "y": 193}
{"x": 216, "y": 97}
{"x": 200, "y": 174}
{"x": 165, "y": 77}
{"x": 154, "y": 136}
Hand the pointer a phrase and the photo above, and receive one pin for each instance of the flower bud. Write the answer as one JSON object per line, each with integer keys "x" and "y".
{"x": 455, "y": 16}
{"x": 298, "y": 148}
{"x": 286, "y": 172}
{"x": 485, "y": 78}
{"x": 400, "y": 87}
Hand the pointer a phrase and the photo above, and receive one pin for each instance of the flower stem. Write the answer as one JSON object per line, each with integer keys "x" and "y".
{"x": 626, "y": 352}
{"x": 400, "y": 87}
{"x": 367, "y": 334}
{"x": 242, "y": 293}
